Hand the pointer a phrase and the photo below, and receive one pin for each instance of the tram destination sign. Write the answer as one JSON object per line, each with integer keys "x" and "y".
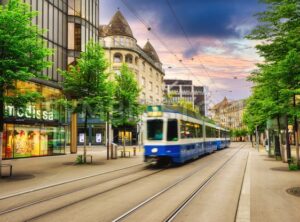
{"x": 154, "y": 111}
{"x": 29, "y": 112}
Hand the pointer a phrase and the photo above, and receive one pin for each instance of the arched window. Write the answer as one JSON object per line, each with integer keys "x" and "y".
{"x": 118, "y": 58}
{"x": 144, "y": 66}
{"x": 129, "y": 58}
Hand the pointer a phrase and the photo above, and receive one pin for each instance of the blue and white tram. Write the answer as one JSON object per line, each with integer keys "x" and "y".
{"x": 173, "y": 137}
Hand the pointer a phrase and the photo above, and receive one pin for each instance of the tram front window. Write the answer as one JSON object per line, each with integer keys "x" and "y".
{"x": 172, "y": 130}
{"x": 155, "y": 129}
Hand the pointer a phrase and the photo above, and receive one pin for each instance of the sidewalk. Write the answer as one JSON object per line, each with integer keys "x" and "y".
{"x": 32, "y": 173}
{"x": 264, "y": 196}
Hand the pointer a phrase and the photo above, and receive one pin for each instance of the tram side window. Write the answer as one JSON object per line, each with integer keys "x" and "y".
{"x": 183, "y": 134}
{"x": 209, "y": 132}
{"x": 155, "y": 129}
{"x": 172, "y": 134}
{"x": 199, "y": 130}
{"x": 217, "y": 133}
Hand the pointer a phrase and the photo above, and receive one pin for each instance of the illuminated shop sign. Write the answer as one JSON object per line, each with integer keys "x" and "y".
{"x": 29, "y": 112}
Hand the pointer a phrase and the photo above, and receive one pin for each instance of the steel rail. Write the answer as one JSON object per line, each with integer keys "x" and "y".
{"x": 83, "y": 187}
{"x": 126, "y": 214}
{"x": 183, "y": 205}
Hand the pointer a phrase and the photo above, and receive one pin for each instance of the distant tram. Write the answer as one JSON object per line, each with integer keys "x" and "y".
{"x": 174, "y": 136}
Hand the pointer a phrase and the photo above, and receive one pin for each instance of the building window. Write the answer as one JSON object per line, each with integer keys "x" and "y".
{"x": 77, "y": 8}
{"x": 143, "y": 97}
{"x": 157, "y": 90}
{"x": 128, "y": 58}
{"x": 151, "y": 86}
{"x": 122, "y": 41}
{"x": 77, "y": 39}
{"x": 118, "y": 58}
{"x": 144, "y": 82}
{"x": 151, "y": 100}
{"x": 136, "y": 61}
{"x": 144, "y": 66}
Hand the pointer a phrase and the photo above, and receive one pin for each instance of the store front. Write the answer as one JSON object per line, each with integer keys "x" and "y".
{"x": 96, "y": 131}
{"x": 127, "y": 135}
{"x": 38, "y": 129}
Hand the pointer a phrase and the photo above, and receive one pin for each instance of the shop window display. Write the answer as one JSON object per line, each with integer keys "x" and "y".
{"x": 36, "y": 129}
{"x": 27, "y": 141}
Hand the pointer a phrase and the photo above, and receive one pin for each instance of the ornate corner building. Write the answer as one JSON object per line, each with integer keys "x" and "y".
{"x": 121, "y": 47}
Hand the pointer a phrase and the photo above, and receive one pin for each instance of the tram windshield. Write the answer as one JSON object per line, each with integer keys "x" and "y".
{"x": 172, "y": 134}
{"x": 155, "y": 129}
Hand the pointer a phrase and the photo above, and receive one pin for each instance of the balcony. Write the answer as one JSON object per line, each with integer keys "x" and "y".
{"x": 136, "y": 48}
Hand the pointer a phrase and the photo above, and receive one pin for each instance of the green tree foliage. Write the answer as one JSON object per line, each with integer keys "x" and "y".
{"x": 186, "y": 105}
{"x": 126, "y": 107}
{"x": 88, "y": 86}
{"x": 22, "y": 54}
{"x": 276, "y": 82}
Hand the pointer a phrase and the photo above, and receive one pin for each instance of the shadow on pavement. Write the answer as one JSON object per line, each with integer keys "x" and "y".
{"x": 18, "y": 177}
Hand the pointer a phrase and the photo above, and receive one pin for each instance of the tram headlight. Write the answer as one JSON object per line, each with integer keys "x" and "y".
{"x": 154, "y": 150}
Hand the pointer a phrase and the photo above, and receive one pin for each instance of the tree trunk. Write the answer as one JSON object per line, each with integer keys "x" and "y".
{"x": 287, "y": 137}
{"x": 1, "y": 125}
{"x": 124, "y": 129}
{"x": 277, "y": 151}
{"x": 85, "y": 136}
{"x": 296, "y": 133}
{"x": 107, "y": 137}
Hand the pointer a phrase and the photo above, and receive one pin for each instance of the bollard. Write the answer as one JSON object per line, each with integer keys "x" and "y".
{"x": 134, "y": 151}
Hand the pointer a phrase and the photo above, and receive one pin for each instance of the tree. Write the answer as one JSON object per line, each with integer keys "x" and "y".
{"x": 87, "y": 84}
{"x": 126, "y": 108}
{"x": 22, "y": 55}
{"x": 186, "y": 105}
{"x": 277, "y": 80}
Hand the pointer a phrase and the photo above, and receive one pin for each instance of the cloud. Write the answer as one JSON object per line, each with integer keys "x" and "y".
{"x": 217, "y": 18}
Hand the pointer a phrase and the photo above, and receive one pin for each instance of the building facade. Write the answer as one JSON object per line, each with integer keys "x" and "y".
{"x": 121, "y": 47}
{"x": 41, "y": 129}
{"x": 229, "y": 113}
{"x": 176, "y": 90}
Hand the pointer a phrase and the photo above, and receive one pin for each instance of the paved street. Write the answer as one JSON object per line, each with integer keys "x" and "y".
{"x": 122, "y": 185}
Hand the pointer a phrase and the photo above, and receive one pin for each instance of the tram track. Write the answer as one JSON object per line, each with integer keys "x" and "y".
{"x": 3, "y": 197}
{"x": 72, "y": 191}
{"x": 182, "y": 205}
{"x": 47, "y": 212}
{"x": 188, "y": 200}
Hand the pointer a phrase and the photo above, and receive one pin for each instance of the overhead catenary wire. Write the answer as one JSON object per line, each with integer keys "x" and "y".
{"x": 133, "y": 11}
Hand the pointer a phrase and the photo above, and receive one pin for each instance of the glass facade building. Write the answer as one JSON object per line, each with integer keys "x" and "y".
{"x": 41, "y": 129}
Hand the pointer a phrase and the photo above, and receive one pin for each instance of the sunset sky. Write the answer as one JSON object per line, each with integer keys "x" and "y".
{"x": 210, "y": 48}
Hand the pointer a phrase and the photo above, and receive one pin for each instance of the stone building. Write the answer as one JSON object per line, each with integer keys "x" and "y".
{"x": 229, "y": 113}
{"x": 121, "y": 47}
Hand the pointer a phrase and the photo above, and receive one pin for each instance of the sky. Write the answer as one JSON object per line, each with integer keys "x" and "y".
{"x": 201, "y": 40}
